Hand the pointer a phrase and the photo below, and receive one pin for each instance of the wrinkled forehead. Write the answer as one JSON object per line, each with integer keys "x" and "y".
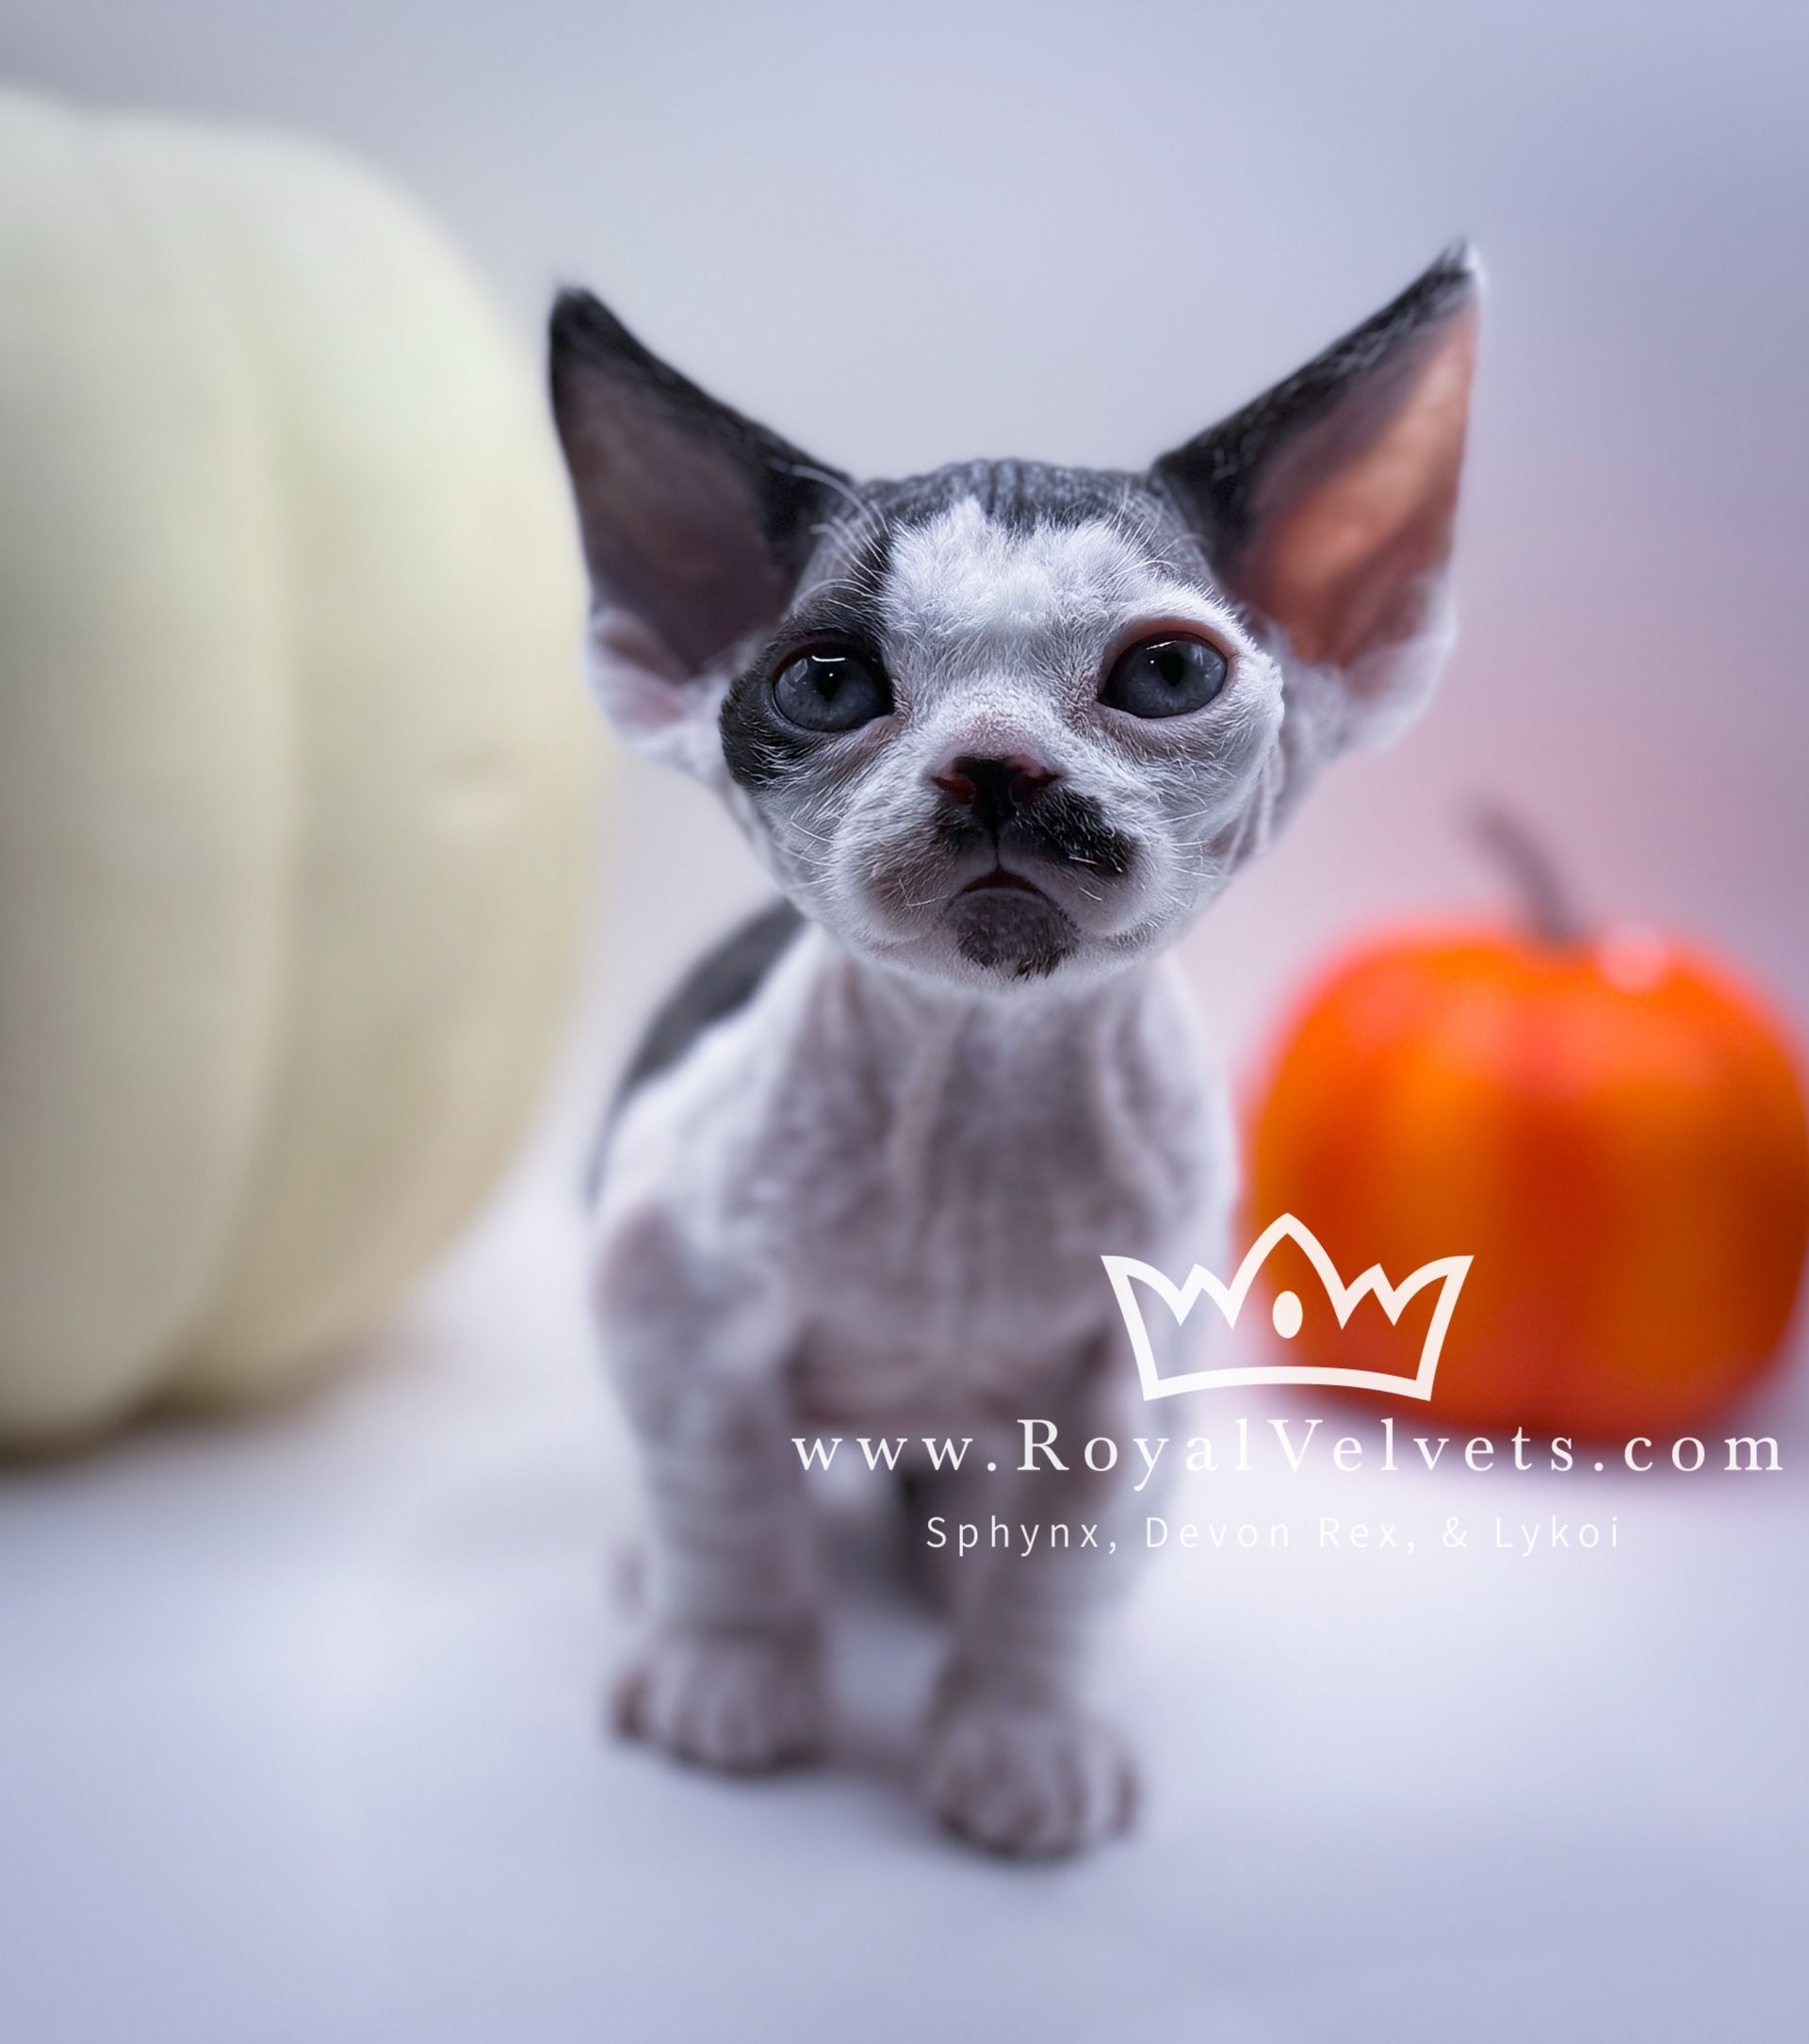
{"x": 1006, "y": 560}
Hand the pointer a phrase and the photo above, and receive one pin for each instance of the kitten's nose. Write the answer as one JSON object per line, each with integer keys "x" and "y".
{"x": 993, "y": 788}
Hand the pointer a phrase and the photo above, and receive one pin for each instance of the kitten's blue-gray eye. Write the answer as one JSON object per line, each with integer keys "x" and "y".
{"x": 831, "y": 689}
{"x": 1166, "y": 677}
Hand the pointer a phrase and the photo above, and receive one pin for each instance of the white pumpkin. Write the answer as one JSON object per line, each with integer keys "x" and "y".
{"x": 295, "y": 758}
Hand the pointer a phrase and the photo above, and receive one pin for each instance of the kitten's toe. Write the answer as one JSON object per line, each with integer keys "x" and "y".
{"x": 1033, "y": 1782}
{"x": 744, "y": 1701}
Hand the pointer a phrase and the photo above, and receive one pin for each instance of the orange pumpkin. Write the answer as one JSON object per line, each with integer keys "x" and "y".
{"x": 1611, "y": 1127}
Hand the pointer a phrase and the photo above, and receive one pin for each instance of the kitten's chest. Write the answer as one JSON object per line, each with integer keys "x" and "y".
{"x": 954, "y": 1230}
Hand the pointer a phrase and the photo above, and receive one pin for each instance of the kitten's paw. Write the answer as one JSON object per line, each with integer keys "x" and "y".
{"x": 745, "y": 1702}
{"x": 1032, "y": 1780}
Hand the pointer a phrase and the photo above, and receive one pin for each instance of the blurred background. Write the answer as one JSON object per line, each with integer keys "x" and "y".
{"x": 296, "y": 1721}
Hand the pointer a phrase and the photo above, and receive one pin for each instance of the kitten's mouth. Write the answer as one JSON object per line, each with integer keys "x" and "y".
{"x": 1001, "y": 878}
{"x": 1007, "y": 925}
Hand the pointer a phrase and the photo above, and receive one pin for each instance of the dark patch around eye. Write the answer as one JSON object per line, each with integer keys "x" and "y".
{"x": 833, "y": 688}
{"x": 759, "y": 745}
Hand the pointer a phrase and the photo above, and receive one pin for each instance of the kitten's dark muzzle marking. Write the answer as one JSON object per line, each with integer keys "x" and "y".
{"x": 1025, "y": 807}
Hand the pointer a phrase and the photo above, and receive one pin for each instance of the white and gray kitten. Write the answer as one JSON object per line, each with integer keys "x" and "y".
{"x": 999, "y": 734}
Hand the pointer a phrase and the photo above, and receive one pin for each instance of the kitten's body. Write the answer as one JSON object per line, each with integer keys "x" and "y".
{"x": 999, "y": 734}
{"x": 925, "y": 1180}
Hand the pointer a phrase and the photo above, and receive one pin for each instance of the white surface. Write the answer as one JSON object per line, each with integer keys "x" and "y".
{"x": 299, "y": 1738}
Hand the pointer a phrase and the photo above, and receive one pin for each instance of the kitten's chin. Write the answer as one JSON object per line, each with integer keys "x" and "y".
{"x": 1011, "y": 932}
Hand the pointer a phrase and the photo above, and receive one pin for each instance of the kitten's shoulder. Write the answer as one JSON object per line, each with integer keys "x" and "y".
{"x": 717, "y": 987}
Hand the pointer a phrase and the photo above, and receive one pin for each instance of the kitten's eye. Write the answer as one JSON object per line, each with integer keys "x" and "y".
{"x": 831, "y": 690}
{"x": 1164, "y": 677}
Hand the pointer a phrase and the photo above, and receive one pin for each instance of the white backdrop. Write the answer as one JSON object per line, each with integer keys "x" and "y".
{"x": 905, "y": 236}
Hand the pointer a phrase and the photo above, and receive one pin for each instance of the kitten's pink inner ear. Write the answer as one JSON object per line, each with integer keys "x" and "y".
{"x": 1354, "y": 521}
{"x": 671, "y": 530}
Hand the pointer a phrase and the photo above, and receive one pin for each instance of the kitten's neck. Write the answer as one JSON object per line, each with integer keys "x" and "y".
{"x": 1027, "y": 1020}
{"x": 968, "y": 1089}
{"x": 937, "y": 1054}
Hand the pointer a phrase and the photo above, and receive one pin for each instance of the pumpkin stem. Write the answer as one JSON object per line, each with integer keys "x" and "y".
{"x": 1550, "y": 911}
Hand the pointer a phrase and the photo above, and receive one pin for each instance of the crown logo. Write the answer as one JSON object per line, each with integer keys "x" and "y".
{"x": 1447, "y": 1272}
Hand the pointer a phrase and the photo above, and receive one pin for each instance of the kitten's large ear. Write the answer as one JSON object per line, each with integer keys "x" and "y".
{"x": 697, "y": 522}
{"x": 1326, "y": 505}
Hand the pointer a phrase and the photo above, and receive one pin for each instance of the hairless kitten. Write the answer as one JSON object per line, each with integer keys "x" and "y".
{"x": 997, "y": 734}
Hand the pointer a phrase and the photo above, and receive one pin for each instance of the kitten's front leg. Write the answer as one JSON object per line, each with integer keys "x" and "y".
{"x": 1017, "y": 1758}
{"x": 730, "y": 1674}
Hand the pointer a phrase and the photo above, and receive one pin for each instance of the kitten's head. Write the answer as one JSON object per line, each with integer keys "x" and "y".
{"x": 1008, "y": 721}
